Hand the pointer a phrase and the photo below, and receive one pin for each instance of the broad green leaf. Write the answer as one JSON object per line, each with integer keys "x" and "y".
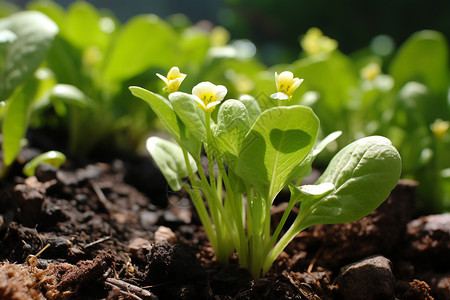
{"x": 232, "y": 125}
{"x": 170, "y": 160}
{"x": 189, "y": 113}
{"x": 163, "y": 109}
{"x": 423, "y": 58}
{"x": 52, "y": 158}
{"x": 144, "y": 42}
{"x": 363, "y": 173}
{"x": 15, "y": 123}
{"x": 22, "y": 55}
{"x": 277, "y": 143}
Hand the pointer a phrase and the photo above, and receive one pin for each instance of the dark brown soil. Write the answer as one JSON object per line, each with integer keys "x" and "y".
{"x": 116, "y": 232}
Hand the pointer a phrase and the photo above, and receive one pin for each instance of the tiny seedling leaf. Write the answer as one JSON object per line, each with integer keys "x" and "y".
{"x": 277, "y": 143}
{"x": 52, "y": 158}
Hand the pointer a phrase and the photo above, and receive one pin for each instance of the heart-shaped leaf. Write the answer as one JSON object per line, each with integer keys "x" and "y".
{"x": 277, "y": 143}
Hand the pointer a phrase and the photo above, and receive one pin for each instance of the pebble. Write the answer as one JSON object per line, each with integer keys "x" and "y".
{"x": 370, "y": 278}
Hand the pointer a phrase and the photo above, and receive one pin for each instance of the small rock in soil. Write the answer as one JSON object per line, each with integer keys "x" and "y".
{"x": 30, "y": 201}
{"x": 429, "y": 241}
{"x": 371, "y": 278}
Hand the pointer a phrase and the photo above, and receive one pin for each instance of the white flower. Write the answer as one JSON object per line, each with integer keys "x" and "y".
{"x": 286, "y": 85}
{"x": 208, "y": 95}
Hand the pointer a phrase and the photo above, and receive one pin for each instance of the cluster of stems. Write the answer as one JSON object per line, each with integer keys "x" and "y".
{"x": 235, "y": 220}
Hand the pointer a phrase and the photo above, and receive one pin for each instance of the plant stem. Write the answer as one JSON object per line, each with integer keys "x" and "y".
{"x": 198, "y": 202}
{"x": 274, "y": 237}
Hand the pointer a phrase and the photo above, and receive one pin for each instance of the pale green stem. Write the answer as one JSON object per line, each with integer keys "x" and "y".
{"x": 221, "y": 222}
{"x": 209, "y": 154}
{"x": 235, "y": 201}
{"x": 285, "y": 240}
{"x": 198, "y": 202}
{"x": 274, "y": 237}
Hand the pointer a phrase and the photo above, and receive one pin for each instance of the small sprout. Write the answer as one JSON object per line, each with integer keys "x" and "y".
{"x": 173, "y": 80}
{"x": 286, "y": 85}
{"x": 32, "y": 259}
{"x": 208, "y": 95}
{"x": 53, "y": 158}
{"x": 439, "y": 128}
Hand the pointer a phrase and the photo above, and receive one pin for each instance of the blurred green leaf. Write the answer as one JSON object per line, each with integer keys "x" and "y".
{"x": 21, "y": 56}
{"x": 15, "y": 123}
{"x": 144, "y": 42}
{"x": 68, "y": 94}
{"x": 82, "y": 27}
{"x": 423, "y": 58}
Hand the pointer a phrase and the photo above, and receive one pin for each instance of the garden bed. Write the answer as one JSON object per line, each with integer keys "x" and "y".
{"x": 115, "y": 231}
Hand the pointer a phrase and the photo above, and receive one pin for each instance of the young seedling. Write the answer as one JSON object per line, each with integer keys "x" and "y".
{"x": 52, "y": 158}
{"x": 257, "y": 154}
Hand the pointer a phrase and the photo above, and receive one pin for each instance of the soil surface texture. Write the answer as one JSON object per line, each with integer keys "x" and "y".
{"x": 115, "y": 231}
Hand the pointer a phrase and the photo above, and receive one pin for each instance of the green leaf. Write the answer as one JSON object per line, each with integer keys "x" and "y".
{"x": 189, "y": 113}
{"x": 278, "y": 142}
{"x": 252, "y": 107}
{"x": 232, "y": 125}
{"x": 170, "y": 160}
{"x": 15, "y": 123}
{"x": 144, "y": 42}
{"x": 331, "y": 75}
{"x": 52, "y": 158}
{"x": 162, "y": 108}
{"x": 363, "y": 173}
{"x": 82, "y": 27}
{"x": 423, "y": 58}
{"x": 21, "y": 56}
{"x": 165, "y": 113}
{"x": 68, "y": 94}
